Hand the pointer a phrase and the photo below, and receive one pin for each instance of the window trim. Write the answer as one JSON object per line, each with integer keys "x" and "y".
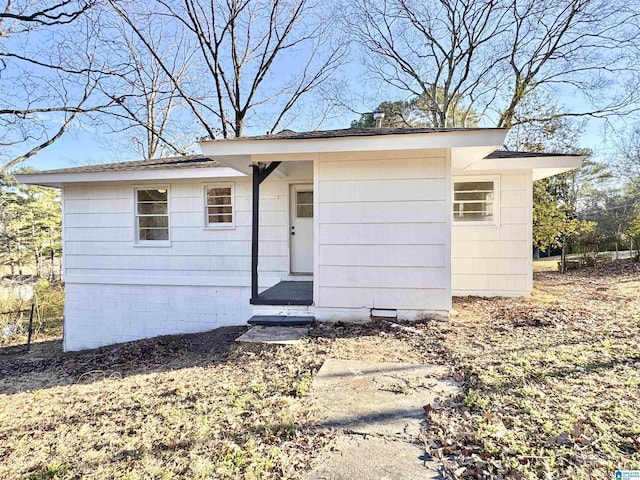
{"x": 495, "y": 222}
{"x": 136, "y": 229}
{"x": 205, "y": 217}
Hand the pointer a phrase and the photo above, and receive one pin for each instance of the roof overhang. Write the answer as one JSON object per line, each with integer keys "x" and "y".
{"x": 467, "y": 146}
{"x": 60, "y": 179}
{"x": 542, "y": 166}
{"x": 471, "y": 150}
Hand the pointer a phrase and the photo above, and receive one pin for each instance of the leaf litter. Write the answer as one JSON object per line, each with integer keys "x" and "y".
{"x": 551, "y": 382}
{"x": 550, "y": 391}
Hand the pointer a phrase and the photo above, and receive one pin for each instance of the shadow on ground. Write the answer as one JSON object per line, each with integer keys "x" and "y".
{"x": 51, "y": 367}
{"x": 132, "y": 358}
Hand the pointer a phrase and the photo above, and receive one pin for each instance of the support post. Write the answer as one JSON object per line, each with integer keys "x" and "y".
{"x": 260, "y": 174}
{"x": 255, "y": 224}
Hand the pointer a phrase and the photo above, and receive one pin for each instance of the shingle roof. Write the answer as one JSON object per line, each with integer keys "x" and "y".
{"x": 201, "y": 161}
{"x": 185, "y": 161}
{"x": 510, "y": 154}
{"x": 350, "y": 132}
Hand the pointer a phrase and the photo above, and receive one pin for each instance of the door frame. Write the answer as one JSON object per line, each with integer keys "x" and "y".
{"x": 291, "y": 186}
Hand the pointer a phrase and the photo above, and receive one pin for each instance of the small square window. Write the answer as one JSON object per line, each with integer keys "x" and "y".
{"x": 474, "y": 201}
{"x": 218, "y": 205}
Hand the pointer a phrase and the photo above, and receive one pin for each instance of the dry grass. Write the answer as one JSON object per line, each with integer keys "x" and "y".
{"x": 188, "y": 407}
{"x": 551, "y": 391}
{"x": 545, "y": 265}
{"x": 551, "y": 382}
{"x": 192, "y": 406}
{"x": 47, "y": 320}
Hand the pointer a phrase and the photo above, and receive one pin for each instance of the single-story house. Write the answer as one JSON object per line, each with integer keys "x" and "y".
{"x": 338, "y": 225}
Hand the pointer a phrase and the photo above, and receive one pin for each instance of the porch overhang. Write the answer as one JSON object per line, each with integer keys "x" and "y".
{"x": 542, "y": 165}
{"x": 467, "y": 145}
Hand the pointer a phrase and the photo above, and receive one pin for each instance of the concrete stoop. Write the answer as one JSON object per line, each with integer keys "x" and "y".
{"x": 278, "y": 335}
{"x": 282, "y": 320}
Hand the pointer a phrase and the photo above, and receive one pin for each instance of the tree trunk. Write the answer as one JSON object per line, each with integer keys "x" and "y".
{"x": 11, "y": 262}
{"x": 563, "y": 255}
{"x": 19, "y": 260}
{"x": 52, "y": 274}
{"x": 536, "y": 253}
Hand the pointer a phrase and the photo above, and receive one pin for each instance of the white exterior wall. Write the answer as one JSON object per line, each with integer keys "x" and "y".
{"x": 118, "y": 291}
{"x": 383, "y": 239}
{"x": 495, "y": 260}
{"x": 102, "y": 314}
{"x": 383, "y": 228}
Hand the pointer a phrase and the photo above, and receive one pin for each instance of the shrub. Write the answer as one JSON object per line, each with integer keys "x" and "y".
{"x": 47, "y": 318}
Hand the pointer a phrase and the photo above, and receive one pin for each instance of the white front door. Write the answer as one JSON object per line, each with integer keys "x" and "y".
{"x": 301, "y": 228}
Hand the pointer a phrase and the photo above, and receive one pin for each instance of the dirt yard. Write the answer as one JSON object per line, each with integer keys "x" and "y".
{"x": 551, "y": 391}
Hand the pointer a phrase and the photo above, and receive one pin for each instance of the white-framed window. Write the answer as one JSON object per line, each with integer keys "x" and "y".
{"x": 152, "y": 215}
{"x": 218, "y": 205}
{"x": 476, "y": 200}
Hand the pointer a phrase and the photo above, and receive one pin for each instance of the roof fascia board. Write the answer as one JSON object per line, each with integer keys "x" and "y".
{"x": 540, "y": 173}
{"x": 283, "y": 157}
{"x": 57, "y": 179}
{"x": 518, "y": 163}
{"x": 407, "y": 141}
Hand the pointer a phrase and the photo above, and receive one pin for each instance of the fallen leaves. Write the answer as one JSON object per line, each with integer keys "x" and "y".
{"x": 193, "y": 406}
{"x": 551, "y": 381}
{"x": 551, "y": 391}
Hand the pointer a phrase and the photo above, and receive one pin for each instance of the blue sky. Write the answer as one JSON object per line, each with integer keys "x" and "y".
{"x": 84, "y": 144}
{"x": 81, "y": 147}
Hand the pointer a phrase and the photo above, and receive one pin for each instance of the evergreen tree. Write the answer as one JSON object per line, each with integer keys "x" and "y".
{"x": 30, "y": 226}
{"x": 417, "y": 113}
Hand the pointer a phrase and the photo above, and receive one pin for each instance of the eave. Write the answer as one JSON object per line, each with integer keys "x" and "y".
{"x": 467, "y": 146}
{"x": 60, "y": 179}
{"x": 541, "y": 166}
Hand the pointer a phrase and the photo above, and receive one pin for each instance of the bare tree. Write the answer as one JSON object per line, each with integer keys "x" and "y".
{"x": 492, "y": 54}
{"x": 587, "y": 46}
{"x": 439, "y": 51}
{"x": 243, "y": 46}
{"x": 627, "y": 155}
{"x": 41, "y": 92}
{"x": 147, "y": 108}
{"x": 42, "y": 13}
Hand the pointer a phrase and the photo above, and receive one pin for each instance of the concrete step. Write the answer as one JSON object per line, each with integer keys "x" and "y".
{"x": 281, "y": 320}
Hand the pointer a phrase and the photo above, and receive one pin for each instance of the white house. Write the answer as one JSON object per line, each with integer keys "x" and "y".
{"x": 338, "y": 225}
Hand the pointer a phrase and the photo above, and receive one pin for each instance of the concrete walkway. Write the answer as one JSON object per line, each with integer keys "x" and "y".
{"x": 378, "y": 408}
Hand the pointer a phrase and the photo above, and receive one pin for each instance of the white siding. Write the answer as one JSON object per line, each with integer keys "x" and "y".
{"x": 119, "y": 291}
{"x": 383, "y": 232}
{"x": 99, "y": 234}
{"x": 383, "y": 239}
{"x": 496, "y": 260}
